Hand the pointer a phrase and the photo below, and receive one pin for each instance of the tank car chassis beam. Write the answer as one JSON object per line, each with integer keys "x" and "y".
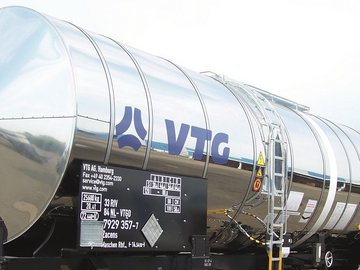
{"x": 198, "y": 259}
{"x": 161, "y": 262}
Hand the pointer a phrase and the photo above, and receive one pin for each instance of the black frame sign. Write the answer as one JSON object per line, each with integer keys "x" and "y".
{"x": 128, "y": 209}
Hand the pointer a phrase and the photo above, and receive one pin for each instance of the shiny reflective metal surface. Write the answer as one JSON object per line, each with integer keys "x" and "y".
{"x": 176, "y": 106}
{"x": 70, "y": 95}
{"x": 92, "y": 89}
{"x": 37, "y": 116}
{"x": 128, "y": 89}
{"x": 36, "y": 78}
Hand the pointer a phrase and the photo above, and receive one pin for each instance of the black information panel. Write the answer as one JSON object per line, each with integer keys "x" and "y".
{"x": 128, "y": 209}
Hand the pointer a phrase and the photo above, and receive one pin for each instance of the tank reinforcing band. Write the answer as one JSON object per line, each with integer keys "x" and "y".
{"x": 247, "y": 110}
{"x": 148, "y": 100}
{"x": 272, "y": 129}
{"x": 349, "y": 168}
{"x": 110, "y": 88}
{"x": 203, "y": 106}
{"x": 333, "y": 181}
{"x": 275, "y": 128}
{"x": 258, "y": 112}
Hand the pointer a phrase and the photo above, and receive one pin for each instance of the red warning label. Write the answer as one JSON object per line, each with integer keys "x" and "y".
{"x": 257, "y": 184}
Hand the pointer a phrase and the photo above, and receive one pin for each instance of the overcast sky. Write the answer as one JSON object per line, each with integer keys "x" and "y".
{"x": 304, "y": 50}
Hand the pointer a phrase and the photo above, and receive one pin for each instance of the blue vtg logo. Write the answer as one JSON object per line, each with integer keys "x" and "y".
{"x": 175, "y": 142}
{"x": 129, "y": 139}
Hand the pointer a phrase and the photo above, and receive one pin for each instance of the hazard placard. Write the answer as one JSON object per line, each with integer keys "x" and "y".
{"x": 260, "y": 161}
{"x": 257, "y": 184}
{"x": 259, "y": 173}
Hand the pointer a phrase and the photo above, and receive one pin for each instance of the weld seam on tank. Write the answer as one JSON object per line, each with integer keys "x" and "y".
{"x": 37, "y": 117}
{"x": 92, "y": 118}
{"x": 358, "y": 154}
{"x": 318, "y": 141}
{"x": 259, "y": 100}
{"x": 247, "y": 111}
{"x": 333, "y": 181}
{"x": 349, "y": 167}
{"x": 240, "y": 205}
{"x": 110, "y": 90}
{"x": 353, "y": 130}
{"x": 256, "y": 120}
{"x": 251, "y": 97}
{"x": 73, "y": 77}
{"x": 357, "y": 151}
{"x": 206, "y": 116}
{"x": 148, "y": 100}
{"x": 74, "y": 123}
{"x": 75, "y": 105}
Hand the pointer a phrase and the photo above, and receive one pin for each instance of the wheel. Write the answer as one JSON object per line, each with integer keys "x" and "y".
{"x": 329, "y": 259}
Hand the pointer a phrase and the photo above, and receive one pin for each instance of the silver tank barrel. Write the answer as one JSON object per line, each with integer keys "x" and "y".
{"x": 37, "y": 116}
{"x": 68, "y": 94}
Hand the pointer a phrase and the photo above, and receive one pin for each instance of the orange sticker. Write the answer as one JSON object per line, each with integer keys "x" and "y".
{"x": 257, "y": 184}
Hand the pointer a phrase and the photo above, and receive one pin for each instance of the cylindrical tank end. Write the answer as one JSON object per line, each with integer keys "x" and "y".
{"x": 37, "y": 116}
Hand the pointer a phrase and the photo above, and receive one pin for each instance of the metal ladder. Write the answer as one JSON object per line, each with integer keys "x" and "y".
{"x": 277, "y": 194}
{"x": 276, "y": 172}
{"x": 273, "y": 137}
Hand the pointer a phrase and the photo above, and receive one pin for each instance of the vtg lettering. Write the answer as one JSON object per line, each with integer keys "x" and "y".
{"x": 176, "y": 142}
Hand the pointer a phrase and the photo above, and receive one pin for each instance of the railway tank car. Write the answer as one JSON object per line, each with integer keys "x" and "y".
{"x": 137, "y": 151}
